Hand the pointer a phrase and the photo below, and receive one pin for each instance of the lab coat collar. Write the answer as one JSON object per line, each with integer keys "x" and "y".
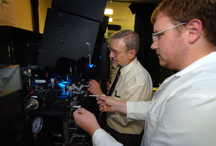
{"x": 197, "y": 64}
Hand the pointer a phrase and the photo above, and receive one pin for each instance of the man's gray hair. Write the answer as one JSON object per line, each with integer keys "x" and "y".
{"x": 131, "y": 39}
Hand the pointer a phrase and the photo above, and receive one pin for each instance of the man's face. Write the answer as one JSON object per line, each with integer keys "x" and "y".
{"x": 118, "y": 53}
{"x": 170, "y": 45}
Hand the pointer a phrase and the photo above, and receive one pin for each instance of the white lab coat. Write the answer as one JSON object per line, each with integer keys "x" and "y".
{"x": 183, "y": 109}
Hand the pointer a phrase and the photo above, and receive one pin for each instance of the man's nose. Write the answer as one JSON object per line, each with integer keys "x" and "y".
{"x": 111, "y": 55}
{"x": 154, "y": 45}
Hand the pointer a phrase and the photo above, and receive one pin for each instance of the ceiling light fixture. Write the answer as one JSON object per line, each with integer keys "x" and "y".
{"x": 108, "y": 11}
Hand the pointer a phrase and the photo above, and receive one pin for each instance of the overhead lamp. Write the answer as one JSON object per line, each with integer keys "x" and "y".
{"x": 108, "y": 11}
{"x": 110, "y": 19}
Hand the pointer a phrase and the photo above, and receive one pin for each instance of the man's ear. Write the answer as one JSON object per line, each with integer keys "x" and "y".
{"x": 132, "y": 53}
{"x": 195, "y": 30}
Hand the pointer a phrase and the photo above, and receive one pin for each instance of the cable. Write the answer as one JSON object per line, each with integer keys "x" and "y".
{"x": 32, "y": 92}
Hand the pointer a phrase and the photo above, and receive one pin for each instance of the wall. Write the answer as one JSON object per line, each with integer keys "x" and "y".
{"x": 42, "y": 10}
{"x": 24, "y": 14}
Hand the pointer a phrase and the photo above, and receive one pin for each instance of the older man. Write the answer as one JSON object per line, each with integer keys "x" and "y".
{"x": 134, "y": 84}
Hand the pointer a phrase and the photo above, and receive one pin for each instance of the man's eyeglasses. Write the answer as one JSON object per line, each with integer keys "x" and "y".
{"x": 156, "y": 36}
{"x": 116, "y": 53}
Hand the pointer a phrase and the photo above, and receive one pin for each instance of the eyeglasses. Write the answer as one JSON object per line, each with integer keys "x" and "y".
{"x": 116, "y": 53}
{"x": 156, "y": 36}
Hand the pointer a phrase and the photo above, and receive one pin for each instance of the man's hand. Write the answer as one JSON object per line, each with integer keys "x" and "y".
{"x": 106, "y": 103}
{"x": 86, "y": 120}
{"x": 109, "y": 104}
{"x": 94, "y": 88}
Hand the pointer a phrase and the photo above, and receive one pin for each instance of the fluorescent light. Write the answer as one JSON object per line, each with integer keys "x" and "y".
{"x": 108, "y": 11}
{"x": 110, "y": 19}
